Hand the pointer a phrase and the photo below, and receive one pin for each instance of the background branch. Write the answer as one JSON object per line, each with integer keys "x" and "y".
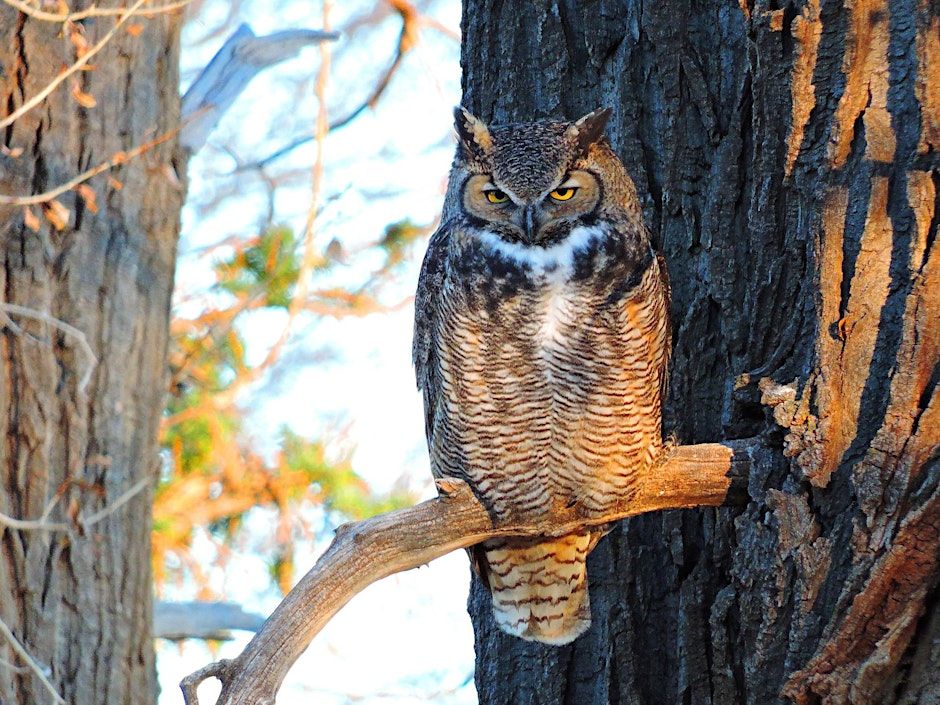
{"x": 93, "y": 11}
{"x": 710, "y": 474}
{"x": 407, "y": 39}
{"x": 202, "y": 620}
{"x": 232, "y": 68}
{"x": 117, "y": 159}
{"x": 68, "y": 329}
{"x": 39, "y": 671}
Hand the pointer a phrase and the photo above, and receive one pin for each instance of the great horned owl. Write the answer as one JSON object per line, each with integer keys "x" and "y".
{"x": 541, "y": 345}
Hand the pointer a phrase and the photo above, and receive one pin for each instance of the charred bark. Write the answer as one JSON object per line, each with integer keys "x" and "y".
{"x": 787, "y": 157}
{"x": 78, "y": 598}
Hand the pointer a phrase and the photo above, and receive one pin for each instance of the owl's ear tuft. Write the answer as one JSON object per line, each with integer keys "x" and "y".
{"x": 472, "y": 133}
{"x": 589, "y": 129}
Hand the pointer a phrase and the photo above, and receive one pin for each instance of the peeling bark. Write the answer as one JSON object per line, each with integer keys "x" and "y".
{"x": 79, "y": 601}
{"x": 786, "y": 154}
{"x": 807, "y": 29}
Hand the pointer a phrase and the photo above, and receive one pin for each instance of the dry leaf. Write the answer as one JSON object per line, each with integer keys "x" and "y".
{"x": 86, "y": 100}
{"x": 88, "y": 196}
{"x": 77, "y": 37}
{"x": 57, "y": 214}
{"x": 30, "y": 219}
{"x": 134, "y": 29}
{"x": 115, "y": 184}
{"x": 13, "y": 153}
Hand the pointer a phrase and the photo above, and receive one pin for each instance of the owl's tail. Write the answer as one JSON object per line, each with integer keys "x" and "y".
{"x": 539, "y": 586}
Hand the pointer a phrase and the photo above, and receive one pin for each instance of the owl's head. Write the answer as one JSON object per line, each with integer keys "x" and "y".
{"x": 533, "y": 182}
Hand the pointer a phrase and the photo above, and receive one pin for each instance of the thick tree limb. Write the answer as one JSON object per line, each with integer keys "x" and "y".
{"x": 202, "y": 620}
{"x": 230, "y": 71}
{"x": 707, "y": 475}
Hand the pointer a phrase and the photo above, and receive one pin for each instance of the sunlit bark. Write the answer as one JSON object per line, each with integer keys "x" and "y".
{"x": 787, "y": 156}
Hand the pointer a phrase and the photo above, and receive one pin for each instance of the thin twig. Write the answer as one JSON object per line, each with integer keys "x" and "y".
{"x": 117, "y": 159}
{"x": 79, "y": 63}
{"x": 13, "y": 667}
{"x": 369, "y": 102}
{"x": 47, "y": 512}
{"x": 407, "y": 39}
{"x": 43, "y": 525}
{"x": 440, "y": 27}
{"x": 62, "y": 326}
{"x": 31, "y": 662}
{"x": 30, "y": 524}
{"x": 118, "y": 503}
{"x": 93, "y": 11}
{"x": 298, "y": 301}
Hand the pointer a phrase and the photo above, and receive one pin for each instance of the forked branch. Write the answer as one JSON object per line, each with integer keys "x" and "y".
{"x": 707, "y": 475}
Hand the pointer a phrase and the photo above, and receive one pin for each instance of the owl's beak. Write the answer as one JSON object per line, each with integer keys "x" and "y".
{"x": 530, "y": 222}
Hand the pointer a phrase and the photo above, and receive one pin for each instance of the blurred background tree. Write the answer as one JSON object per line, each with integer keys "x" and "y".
{"x": 291, "y": 406}
{"x": 215, "y": 471}
{"x": 290, "y": 403}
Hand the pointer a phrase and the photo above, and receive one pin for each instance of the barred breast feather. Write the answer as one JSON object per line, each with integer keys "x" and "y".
{"x": 543, "y": 370}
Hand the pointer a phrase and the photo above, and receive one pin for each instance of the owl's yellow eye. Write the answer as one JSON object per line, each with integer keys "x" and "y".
{"x": 563, "y": 194}
{"x": 496, "y": 196}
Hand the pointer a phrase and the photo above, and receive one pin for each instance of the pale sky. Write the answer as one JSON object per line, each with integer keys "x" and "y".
{"x": 406, "y": 639}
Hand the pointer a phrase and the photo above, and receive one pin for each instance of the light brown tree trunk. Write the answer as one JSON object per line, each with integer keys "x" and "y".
{"x": 79, "y": 600}
{"x": 787, "y": 154}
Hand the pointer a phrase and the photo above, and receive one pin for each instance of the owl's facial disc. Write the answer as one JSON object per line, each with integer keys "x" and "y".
{"x": 557, "y": 212}
{"x": 541, "y": 220}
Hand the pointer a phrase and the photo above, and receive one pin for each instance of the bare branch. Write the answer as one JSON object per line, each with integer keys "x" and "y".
{"x": 43, "y": 525}
{"x": 93, "y": 11}
{"x": 232, "y": 68}
{"x": 66, "y": 328}
{"x": 308, "y": 261}
{"x": 118, "y": 503}
{"x": 706, "y": 475}
{"x": 76, "y": 66}
{"x": 13, "y": 668}
{"x": 201, "y": 620}
{"x": 30, "y": 524}
{"x": 211, "y": 94}
{"x": 116, "y": 159}
{"x": 40, "y": 672}
{"x": 449, "y": 32}
{"x": 407, "y": 38}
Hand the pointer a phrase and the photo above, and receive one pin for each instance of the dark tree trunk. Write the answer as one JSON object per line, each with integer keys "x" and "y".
{"x": 787, "y": 157}
{"x": 79, "y": 600}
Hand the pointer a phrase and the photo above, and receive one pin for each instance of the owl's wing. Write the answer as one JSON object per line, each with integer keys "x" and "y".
{"x": 434, "y": 270}
{"x": 427, "y": 309}
{"x": 667, "y": 292}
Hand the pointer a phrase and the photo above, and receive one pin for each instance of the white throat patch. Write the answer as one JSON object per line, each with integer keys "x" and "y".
{"x": 555, "y": 261}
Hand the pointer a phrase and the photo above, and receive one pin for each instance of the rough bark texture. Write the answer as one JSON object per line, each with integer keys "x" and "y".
{"x": 79, "y": 600}
{"x": 787, "y": 155}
